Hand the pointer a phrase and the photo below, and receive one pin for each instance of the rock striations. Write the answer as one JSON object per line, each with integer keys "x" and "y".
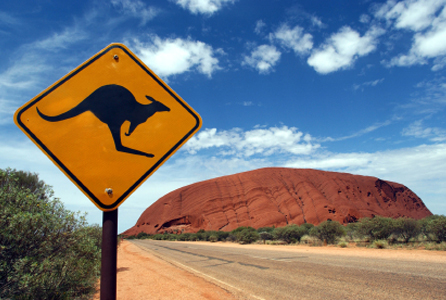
{"x": 277, "y": 196}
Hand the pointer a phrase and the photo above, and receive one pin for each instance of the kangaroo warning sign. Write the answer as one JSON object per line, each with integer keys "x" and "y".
{"x": 108, "y": 124}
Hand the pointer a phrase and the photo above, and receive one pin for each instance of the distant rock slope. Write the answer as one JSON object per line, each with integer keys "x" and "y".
{"x": 277, "y": 196}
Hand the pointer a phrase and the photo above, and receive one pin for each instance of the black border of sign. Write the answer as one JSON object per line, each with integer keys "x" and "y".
{"x": 115, "y": 204}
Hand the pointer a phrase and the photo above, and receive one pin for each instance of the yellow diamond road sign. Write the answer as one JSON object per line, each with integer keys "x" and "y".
{"x": 108, "y": 125}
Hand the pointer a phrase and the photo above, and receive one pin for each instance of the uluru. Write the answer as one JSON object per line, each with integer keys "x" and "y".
{"x": 277, "y": 197}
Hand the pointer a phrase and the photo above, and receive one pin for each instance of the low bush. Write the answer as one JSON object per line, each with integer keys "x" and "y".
{"x": 329, "y": 231}
{"x": 377, "y": 228}
{"x": 343, "y": 244}
{"x": 435, "y": 246}
{"x": 437, "y": 228}
{"x": 266, "y": 236}
{"x": 406, "y": 228}
{"x": 245, "y": 235}
{"x": 290, "y": 233}
{"x": 379, "y": 244}
{"x": 47, "y": 252}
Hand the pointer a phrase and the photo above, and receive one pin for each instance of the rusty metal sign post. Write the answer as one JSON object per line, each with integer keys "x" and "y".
{"x": 108, "y": 125}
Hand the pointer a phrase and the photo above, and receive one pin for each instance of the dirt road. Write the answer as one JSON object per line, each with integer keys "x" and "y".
{"x": 229, "y": 271}
{"x": 143, "y": 276}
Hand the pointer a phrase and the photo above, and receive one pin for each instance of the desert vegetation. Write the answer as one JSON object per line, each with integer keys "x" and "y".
{"x": 378, "y": 232}
{"x": 46, "y": 251}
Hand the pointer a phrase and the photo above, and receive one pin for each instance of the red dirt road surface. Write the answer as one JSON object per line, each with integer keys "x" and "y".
{"x": 142, "y": 276}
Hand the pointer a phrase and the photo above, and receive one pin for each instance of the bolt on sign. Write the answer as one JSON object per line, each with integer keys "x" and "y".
{"x": 108, "y": 125}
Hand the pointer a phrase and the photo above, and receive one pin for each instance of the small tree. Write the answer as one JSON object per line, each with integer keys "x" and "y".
{"x": 351, "y": 230}
{"x": 245, "y": 235}
{"x": 328, "y": 231}
{"x": 437, "y": 227}
{"x": 406, "y": 228}
{"x": 290, "y": 233}
{"x": 265, "y": 235}
{"x": 377, "y": 228}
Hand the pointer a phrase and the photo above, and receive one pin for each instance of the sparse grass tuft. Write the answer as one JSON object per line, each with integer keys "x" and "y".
{"x": 343, "y": 244}
{"x": 435, "y": 246}
{"x": 379, "y": 244}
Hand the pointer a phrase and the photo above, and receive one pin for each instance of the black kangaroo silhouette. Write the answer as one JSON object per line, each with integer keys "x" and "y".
{"x": 113, "y": 105}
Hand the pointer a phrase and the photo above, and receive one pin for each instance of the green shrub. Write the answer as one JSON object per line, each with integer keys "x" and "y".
{"x": 290, "y": 233}
{"x": 436, "y": 246}
{"x": 406, "y": 228}
{"x": 266, "y": 236}
{"x": 213, "y": 238}
{"x": 47, "y": 252}
{"x": 379, "y": 244}
{"x": 201, "y": 235}
{"x": 437, "y": 227}
{"x": 244, "y": 235}
{"x": 311, "y": 240}
{"x": 343, "y": 244}
{"x": 158, "y": 237}
{"x": 328, "y": 231}
{"x": 142, "y": 235}
{"x": 351, "y": 231}
{"x": 377, "y": 228}
{"x": 266, "y": 229}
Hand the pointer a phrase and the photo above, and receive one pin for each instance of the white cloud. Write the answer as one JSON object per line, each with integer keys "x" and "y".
{"x": 263, "y": 58}
{"x": 62, "y": 40}
{"x": 427, "y": 19}
{"x": 342, "y": 49}
{"x": 361, "y": 132}
{"x": 317, "y": 22}
{"x": 368, "y": 83}
{"x": 136, "y": 9}
{"x": 207, "y": 7}
{"x": 415, "y": 15}
{"x": 416, "y": 129}
{"x": 364, "y": 18}
{"x": 175, "y": 56}
{"x": 8, "y": 19}
{"x": 420, "y": 168}
{"x": 294, "y": 39}
{"x": 259, "y": 141}
{"x": 259, "y": 26}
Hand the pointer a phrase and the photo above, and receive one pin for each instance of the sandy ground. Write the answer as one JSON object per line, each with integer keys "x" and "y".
{"x": 142, "y": 275}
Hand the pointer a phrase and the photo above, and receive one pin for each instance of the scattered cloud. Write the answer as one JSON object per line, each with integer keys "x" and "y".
{"x": 259, "y": 26}
{"x": 414, "y": 167}
{"x": 342, "y": 49}
{"x": 258, "y": 141}
{"x": 361, "y": 132}
{"x": 427, "y": 19}
{"x": 295, "y": 39}
{"x": 368, "y": 83}
{"x": 416, "y": 129}
{"x": 263, "y": 58}
{"x": 137, "y": 9}
{"x": 364, "y": 18}
{"x": 168, "y": 57}
{"x": 315, "y": 21}
{"x": 61, "y": 40}
{"x": 206, "y": 7}
{"x": 415, "y": 15}
{"x": 8, "y": 19}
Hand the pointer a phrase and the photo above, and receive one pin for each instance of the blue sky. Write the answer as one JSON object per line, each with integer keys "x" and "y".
{"x": 349, "y": 86}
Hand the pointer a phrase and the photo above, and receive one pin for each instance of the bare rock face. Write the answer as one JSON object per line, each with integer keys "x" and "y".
{"x": 278, "y": 196}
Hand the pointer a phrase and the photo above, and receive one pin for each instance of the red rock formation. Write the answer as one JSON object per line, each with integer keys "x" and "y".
{"x": 278, "y": 196}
